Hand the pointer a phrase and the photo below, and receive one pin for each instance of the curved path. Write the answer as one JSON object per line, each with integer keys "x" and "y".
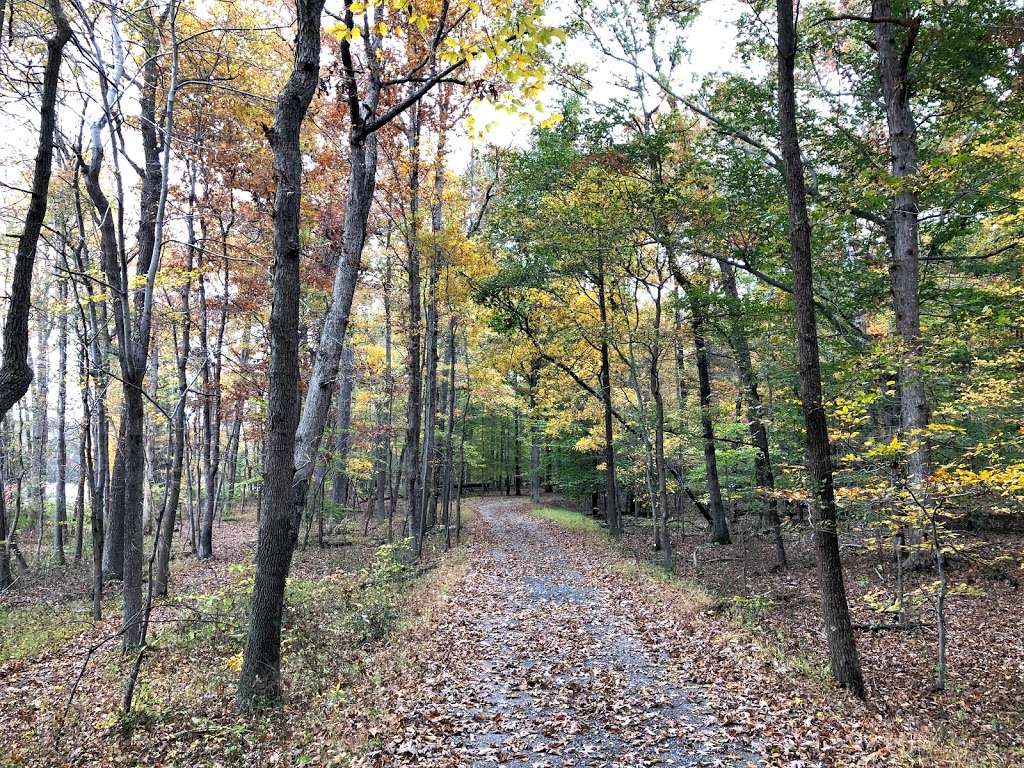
{"x": 532, "y": 666}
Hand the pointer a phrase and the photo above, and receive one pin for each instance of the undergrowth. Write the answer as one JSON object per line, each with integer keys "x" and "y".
{"x": 29, "y": 630}
{"x": 568, "y": 519}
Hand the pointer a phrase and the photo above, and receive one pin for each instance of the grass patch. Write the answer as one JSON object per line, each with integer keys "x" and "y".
{"x": 29, "y": 630}
{"x": 565, "y": 518}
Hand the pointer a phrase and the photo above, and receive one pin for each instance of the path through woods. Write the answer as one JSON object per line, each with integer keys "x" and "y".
{"x": 535, "y": 665}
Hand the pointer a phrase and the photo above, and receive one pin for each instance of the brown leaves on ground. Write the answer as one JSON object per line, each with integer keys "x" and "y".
{"x": 534, "y": 646}
{"x": 977, "y": 721}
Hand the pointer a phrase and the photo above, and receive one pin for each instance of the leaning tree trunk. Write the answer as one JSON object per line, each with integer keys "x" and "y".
{"x": 279, "y": 521}
{"x": 349, "y": 241}
{"x": 835, "y": 609}
{"x": 15, "y": 372}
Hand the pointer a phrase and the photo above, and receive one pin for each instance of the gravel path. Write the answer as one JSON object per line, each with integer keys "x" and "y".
{"x": 537, "y": 669}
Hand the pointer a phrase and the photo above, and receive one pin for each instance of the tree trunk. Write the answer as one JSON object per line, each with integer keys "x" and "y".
{"x": 449, "y": 464}
{"x": 835, "y": 610}
{"x": 428, "y": 460}
{"x": 611, "y": 512}
{"x": 343, "y": 425}
{"x": 386, "y": 409}
{"x": 41, "y": 420}
{"x": 6, "y": 577}
{"x": 414, "y": 402}
{"x": 83, "y": 430}
{"x": 134, "y": 472}
{"x": 113, "y": 519}
{"x": 279, "y": 522}
{"x": 661, "y": 473}
{"x": 61, "y": 503}
{"x": 211, "y": 411}
{"x": 719, "y": 523}
{"x": 172, "y": 497}
{"x": 763, "y": 473}
{"x": 323, "y": 379}
{"x": 535, "y": 463}
{"x": 149, "y": 454}
{"x": 15, "y": 372}
{"x": 893, "y": 61}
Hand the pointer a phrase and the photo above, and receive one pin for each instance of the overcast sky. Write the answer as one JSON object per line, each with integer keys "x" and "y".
{"x": 710, "y": 41}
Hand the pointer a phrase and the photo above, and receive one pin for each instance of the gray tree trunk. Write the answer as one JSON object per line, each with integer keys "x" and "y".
{"x": 61, "y": 501}
{"x": 343, "y": 425}
{"x": 893, "y": 62}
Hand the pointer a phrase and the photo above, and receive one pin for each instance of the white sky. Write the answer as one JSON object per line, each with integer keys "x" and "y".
{"x": 710, "y": 43}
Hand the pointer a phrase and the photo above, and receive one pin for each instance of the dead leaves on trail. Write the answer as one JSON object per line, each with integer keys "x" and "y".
{"x": 530, "y": 662}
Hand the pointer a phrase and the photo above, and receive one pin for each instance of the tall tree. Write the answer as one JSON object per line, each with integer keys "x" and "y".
{"x": 835, "y": 609}
{"x": 15, "y": 371}
{"x": 260, "y": 679}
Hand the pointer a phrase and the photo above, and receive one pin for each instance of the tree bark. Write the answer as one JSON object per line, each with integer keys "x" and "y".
{"x": 835, "y": 610}
{"x": 535, "y": 463}
{"x": 113, "y": 518}
{"x": 61, "y": 503}
{"x": 448, "y": 480}
{"x": 763, "y": 473}
{"x": 412, "y": 336}
{"x": 210, "y": 413}
{"x": 15, "y": 372}
{"x": 41, "y": 419}
{"x": 611, "y": 511}
{"x": 279, "y": 522}
{"x": 719, "y": 523}
{"x": 343, "y": 426}
{"x": 893, "y": 63}
{"x": 661, "y": 468}
{"x": 172, "y": 498}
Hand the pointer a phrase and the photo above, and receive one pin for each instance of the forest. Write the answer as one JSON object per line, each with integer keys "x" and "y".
{"x": 538, "y": 383}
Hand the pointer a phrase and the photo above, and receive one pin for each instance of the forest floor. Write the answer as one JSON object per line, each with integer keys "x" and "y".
{"x": 540, "y": 643}
{"x": 977, "y": 721}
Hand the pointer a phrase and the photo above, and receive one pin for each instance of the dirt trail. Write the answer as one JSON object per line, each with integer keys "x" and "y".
{"x": 534, "y": 667}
